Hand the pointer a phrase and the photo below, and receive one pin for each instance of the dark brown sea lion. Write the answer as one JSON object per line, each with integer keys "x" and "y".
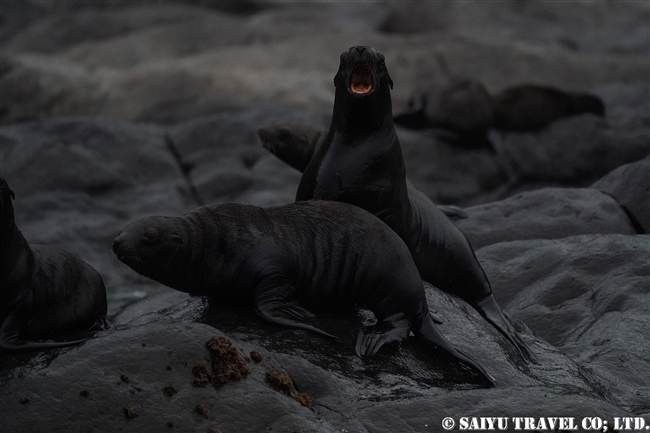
{"x": 463, "y": 107}
{"x": 46, "y": 292}
{"x": 296, "y": 144}
{"x": 286, "y": 258}
{"x": 532, "y": 107}
{"x": 360, "y": 162}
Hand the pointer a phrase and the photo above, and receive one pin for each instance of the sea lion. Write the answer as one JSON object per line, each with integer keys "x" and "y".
{"x": 46, "y": 292}
{"x": 360, "y": 162}
{"x": 286, "y": 258}
{"x": 532, "y": 107}
{"x": 463, "y": 107}
{"x": 296, "y": 143}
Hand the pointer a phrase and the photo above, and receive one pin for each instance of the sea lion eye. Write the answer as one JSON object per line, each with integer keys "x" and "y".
{"x": 343, "y": 55}
{"x": 382, "y": 60}
{"x": 149, "y": 237}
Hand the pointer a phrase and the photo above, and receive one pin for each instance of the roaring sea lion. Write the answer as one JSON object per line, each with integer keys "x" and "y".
{"x": 360, "y": 162}
{"x": 286, "y": 258}
{"x": 46, "y": 292}
{"x": 296, "y": 143}
{"x": 532, "y": 107}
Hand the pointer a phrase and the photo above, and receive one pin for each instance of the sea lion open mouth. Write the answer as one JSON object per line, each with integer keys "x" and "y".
{"x": 361, "y": 79}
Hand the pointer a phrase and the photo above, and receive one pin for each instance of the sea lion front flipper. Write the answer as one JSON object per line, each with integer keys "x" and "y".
{"x": 489, "y": 309}
{"x": 436, "y": 318}
{"x": 277, "y": 304}
{"x": 393, "y": 328}
{"x": 432, "y": 337}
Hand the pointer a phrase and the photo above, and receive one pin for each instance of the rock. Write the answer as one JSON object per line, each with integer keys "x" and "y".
{"x": 630, "y": 186}
{"x": 574, "y": 151}
{"x": 587, "y": 295}
{"x": 549, "y": 213}
{"x": 224, "y": 157}
{"x": 138, "y": 366}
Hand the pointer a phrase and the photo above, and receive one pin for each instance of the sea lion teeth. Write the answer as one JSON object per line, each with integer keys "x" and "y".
{"x": 361, "y": 79}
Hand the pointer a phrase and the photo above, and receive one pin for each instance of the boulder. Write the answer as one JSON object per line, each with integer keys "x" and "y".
{"x": 630, "y": 187}
{"x": 588, "y": 296}
{"x": 549, "y": 213}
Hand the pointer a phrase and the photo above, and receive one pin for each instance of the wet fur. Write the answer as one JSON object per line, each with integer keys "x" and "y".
{"x": 283, "y": 259}
{"x": 360, "y": 162}
{"x": 46, "y": 292}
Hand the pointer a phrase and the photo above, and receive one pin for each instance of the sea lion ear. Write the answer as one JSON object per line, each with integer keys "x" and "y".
{"x": 335, "y": 77}
{"x": 390, "y": 82}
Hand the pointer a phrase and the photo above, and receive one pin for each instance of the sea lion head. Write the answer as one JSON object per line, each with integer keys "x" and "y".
{"x": 157, "y": 247}
{"x": 362, "y": 71}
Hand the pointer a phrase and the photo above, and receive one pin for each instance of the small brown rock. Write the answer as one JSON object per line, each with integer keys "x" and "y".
{"x": 256, "y": 357}
{"x": 283, "y": 383}
{"x": 129, "y": 412}
{"x": 170, "y": 390}
{"x": 202, "y": 410}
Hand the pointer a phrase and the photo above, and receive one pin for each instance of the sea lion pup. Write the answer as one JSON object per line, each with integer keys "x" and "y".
{"x": 360, "y": 162}
{"x": 532, "y": 107}
{"x": 286, "y": 258}
{"x": 296, "y": 143}
{"x": 463, "y": 107}
{"x": 46, "y": 292}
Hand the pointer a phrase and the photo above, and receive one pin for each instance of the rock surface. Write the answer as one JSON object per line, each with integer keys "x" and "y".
{"x": 630, "y": 186}
{"x": 549, "y": 213}
{"x": 110, "y": 111}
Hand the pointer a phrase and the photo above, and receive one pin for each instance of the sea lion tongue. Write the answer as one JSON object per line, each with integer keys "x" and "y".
{"x": 361, "y": 78}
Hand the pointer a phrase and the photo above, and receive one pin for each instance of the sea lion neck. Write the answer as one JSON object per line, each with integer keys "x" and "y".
{"x": 361, "y": 116}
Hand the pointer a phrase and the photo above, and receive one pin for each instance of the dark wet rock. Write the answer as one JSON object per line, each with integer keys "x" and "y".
{"x": 548, "y": 213}
{"x": 223, "y": 154}
{"x": 587, "y": 295}
{"x": 571, "y": 27}
{"x": 574, "y": 151}
{"x": 347, "y": 392}
{"x": 630, "y": 187}
{"x": 66, "y": 28}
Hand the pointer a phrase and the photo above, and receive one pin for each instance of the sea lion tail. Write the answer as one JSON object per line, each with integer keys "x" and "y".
{"x": 429, "y": 333}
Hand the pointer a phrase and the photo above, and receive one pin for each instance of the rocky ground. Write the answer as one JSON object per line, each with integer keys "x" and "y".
{"x": 113, "y": 111}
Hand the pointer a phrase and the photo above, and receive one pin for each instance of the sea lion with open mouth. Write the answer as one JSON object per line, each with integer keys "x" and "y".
{"x": 360, "y": 162}
{"x": 286, "y": 258}
{"x": 46, "y": 292}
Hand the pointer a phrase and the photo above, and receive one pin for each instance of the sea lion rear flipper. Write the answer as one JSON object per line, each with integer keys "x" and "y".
{"x": 434, "y": 339}
{"x": 489, "y": 309}
{"x": 393, "y": 328}
{"x": 9, "y": 340}
{"x": 453, "y": 212}
{"x": 276, "y": 304}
